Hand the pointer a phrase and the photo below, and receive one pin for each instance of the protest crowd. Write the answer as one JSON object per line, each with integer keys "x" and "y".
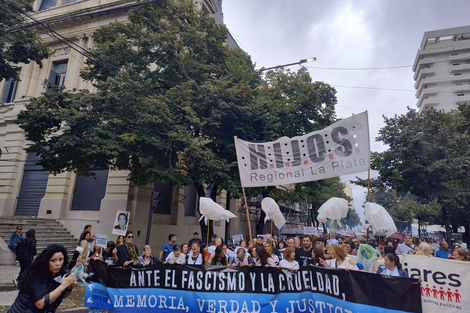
{"x": 290, "y": 253}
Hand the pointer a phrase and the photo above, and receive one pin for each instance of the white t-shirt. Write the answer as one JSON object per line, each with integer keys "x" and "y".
{"x": 270, "y": 262}
{"x": 171, "y": 259}
{"x": 192, "y": 261}
{"x": 286, "y": 264}
{"x": 345, "y": 264}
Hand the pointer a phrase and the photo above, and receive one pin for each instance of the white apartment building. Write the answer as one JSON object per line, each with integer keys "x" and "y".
{"x": 442, "y": 69}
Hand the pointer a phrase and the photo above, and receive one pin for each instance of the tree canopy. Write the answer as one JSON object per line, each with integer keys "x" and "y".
{"x": 18, "y": 42}
{"x": 428, "y": 156}
{"x": 170, "y": 98}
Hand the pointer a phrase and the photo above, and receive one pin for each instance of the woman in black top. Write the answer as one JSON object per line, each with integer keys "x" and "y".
{"x": 25, "y": 252}
{"x": 44, "y": 283}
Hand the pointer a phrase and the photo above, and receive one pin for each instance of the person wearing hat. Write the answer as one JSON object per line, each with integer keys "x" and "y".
{"x": 194, "y": 257}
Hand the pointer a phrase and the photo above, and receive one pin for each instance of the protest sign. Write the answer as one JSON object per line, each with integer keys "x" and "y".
{"x": 445, "y": 284}
{"x": 101, "y": 240}
{"x": 181, "y": 288}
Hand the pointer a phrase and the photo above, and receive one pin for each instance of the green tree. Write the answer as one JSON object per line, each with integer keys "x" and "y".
{"x": 170, "y": 98}
{"x": 18, "y": 43}
{"x": 409, "y": 208}
{"x": 427, "y": 156}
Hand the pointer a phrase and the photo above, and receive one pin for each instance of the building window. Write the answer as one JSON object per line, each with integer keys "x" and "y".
{"x": 89, "y": 191}
{"x": 47, "y": 4}
{"x": 9, "y": 92}
{"x": 164, "y": 204}
{"x": 57, "y": 75}
{"x": 190, "y": 200}
{"x": 70, "y": 1}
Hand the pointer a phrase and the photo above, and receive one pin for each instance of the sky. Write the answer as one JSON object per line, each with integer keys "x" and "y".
{"x": 364, "y": 48}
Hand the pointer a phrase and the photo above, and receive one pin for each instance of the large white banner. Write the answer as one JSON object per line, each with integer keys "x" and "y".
{"x": 341, "y": 148}
{"x": 445, "y": 284}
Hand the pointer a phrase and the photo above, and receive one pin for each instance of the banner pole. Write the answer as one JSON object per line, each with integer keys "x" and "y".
{"x": 331, "y": 223}
{"x": 208, "y": 224}
{"x": 247, "y": 214}
{"x": 368, "y": 185}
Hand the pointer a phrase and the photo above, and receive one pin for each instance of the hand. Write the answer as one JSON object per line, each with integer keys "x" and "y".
{"x": 67, "y": 281}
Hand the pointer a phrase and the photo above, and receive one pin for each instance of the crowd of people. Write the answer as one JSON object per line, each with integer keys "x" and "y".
{"x": 289, "y": 253}
{"x": 45, "y": 282}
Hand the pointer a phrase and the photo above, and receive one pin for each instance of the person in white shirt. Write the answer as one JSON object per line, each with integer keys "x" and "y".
{"x": 242, "y": 259}
{"x": 461, "y": 243}
{"x": 194, "y": 257}
{"x": 175, "y": 257}
{"x": 407, "y": 247}
{"x": 288, "y": 260}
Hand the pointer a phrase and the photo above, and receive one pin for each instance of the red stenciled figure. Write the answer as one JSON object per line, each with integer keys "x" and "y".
{"x": 457, "y": 296}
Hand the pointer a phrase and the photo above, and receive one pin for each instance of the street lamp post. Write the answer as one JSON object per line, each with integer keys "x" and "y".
{"x": 290, "y": 64}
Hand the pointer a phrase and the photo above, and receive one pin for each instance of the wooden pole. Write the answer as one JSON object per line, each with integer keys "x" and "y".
{"x": 208, "y": 223}
{"x": 247, "y": 214}
{"x": 331, "y": 222}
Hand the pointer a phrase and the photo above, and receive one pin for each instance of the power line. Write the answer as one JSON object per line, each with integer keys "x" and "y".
{"x": 359, "y": 68}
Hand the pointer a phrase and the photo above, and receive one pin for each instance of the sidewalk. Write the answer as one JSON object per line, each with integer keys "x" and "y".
{"x": 8, "y": 292}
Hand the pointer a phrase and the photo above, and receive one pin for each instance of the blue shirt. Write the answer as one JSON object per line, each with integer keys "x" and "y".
{"x": 167, "y": 249}
{"x": 442, "y": 254}
{"x": 14, "y": 240}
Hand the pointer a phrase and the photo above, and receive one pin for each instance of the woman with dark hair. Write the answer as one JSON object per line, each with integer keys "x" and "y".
{"x": 25, "y": 252}
{"x": 85, "y": 247}
{"x": 261, "y": 257}
{"x": 44, "y": 283}
{"x": 219, "y": 257}
{"x": 318, "y": 256}
{"x": 392, "y": 266}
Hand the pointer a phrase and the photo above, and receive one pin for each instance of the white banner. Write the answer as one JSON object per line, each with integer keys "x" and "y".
{"x": 445, "y": 284}
{"x": 341, "y": 148}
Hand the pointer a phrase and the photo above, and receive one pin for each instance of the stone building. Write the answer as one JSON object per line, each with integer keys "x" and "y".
{"x": 27, "y": 190}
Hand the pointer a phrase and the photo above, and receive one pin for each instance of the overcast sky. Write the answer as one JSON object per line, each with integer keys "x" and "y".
{"x": 348, "y": 38}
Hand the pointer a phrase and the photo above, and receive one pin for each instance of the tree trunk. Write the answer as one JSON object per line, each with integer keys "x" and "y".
{"x": 447, "y": 226}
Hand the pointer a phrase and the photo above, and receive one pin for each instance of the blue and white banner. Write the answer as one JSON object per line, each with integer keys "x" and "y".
{"x": 339, "y": 149}
{"x": 212, "y": 289}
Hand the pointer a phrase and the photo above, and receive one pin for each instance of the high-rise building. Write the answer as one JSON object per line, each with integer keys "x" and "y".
{"x": 442, "y": 69}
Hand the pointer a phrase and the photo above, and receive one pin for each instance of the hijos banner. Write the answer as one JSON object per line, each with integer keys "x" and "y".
{"x": 213, "y": 289}
{"x": 341, "y": 148}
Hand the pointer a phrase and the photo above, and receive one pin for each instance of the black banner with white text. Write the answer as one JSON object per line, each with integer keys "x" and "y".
{"x": 212, "y": 289}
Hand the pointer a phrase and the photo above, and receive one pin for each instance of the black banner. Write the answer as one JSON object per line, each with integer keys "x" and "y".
{"x": 272, "y": 290}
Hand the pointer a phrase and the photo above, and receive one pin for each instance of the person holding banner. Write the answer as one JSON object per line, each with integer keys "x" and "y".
{"x": 460, "y": 254}
{"x": 340, "y": 260}
{"x": 242, "y": 259}
{"x": 45, "y": 283}
{"x": 175, "y": 257}
{"x": 392, "y": 266}
{"x": 127, "y": 253}
{"x": 288, "y": 260}
{"x": 219, "y": 257}
{"x": 194, "y": 257}
{"x": 261, "y": 257}
{"x": 147, "y": 257}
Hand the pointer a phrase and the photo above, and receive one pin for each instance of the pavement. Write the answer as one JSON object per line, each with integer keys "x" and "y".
{"x": 8, "y": 292}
